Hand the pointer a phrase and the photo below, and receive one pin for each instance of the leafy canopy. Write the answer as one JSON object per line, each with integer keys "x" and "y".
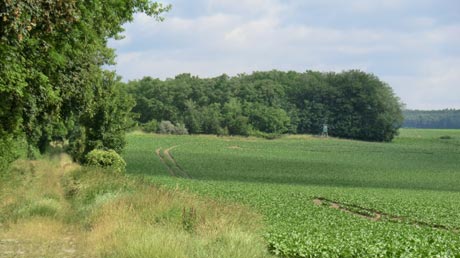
{"x": 51, "y": 78}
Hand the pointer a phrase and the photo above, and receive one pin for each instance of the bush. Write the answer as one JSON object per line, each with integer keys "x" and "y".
{"x": 10, "y": 150}
{"x": 268, "y": 136}
{"x": 180, "y": 129}
{"x": 166, "y": 127}
{"x": 151, "y": 126}
{"x": 222, "y": 131}
{"x": 106, "y": 159}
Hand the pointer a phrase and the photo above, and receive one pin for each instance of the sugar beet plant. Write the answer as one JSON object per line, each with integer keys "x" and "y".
{"x": 412, "y": 183}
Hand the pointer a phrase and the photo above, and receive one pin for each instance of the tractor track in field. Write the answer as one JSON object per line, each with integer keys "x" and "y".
{"x": 365, "y": 213}
{"x": 170, "y": 170}
{"x": 168, "y": 154}
{"x": 173, "y": 167}
{"x": 374, "y": 215}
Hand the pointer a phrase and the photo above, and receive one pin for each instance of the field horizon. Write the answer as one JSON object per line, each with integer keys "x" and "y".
{"x": 322, "y": 195}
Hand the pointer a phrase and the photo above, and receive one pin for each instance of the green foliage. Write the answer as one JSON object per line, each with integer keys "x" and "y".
{"x": 44, "y": 211}
{"x": 223, "y": 132}
{"x": 10, "y": 150}
{"x": 211, "y": 119}
{"x": 415, "y": 178}
{"x": 192, "y": 117}
{"x": 180, "y": 129}
{"x": 109, "y": 159}
{"x": 151, "y": 126}
{"x": 268, "y": 136}
{"x": 166, "y": 127}
{"x": 354, "y": 104}
{"x": 447, "y": 119}
{"x": 140, "y": 220}
{"x": 268, "y": 119}
{"x": 105, "y": 124}
{"x": 52, "y": 79}
{"x": 189, "y": 219}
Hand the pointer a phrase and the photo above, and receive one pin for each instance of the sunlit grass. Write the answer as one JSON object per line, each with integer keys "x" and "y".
{"x": 54, "y": 208}
{"x": 414, "y": 178}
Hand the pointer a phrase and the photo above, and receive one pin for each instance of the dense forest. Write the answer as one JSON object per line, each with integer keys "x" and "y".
{"x": 52, "y": 81}
{"x": 437, "y": 119}
{"x": 353, "y": 104}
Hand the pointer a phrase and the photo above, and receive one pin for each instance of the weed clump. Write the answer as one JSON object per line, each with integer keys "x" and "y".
{"x": 189, "y": 219}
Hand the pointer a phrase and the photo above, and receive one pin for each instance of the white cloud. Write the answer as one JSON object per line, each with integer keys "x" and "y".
{"x": 422, "y": 22}
{"x": 367, "y": 6}
{"x": 356, "y": 6}
{"x": 434, "y": 87}
{"x": 247, "y": 7}
{"x": 242, "y": 36}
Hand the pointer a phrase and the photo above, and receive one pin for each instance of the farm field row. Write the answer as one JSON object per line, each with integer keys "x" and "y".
{"x": 323, "y": 197}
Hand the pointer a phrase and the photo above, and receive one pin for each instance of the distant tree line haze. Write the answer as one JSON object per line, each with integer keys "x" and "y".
{"x": 353, "y": 104}
{"x": 52, "y": 83}
{"x": 436, "y": 119}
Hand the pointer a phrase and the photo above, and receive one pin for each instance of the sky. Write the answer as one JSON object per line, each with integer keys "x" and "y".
{"x": 413, "y": 45}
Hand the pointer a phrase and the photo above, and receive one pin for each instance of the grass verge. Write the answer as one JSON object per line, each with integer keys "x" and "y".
{"x": 53, "y": 208}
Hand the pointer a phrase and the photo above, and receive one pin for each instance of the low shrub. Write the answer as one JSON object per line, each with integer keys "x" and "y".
{"x": 106, "y": 159}
{"x": 151, "y": 126}
{"x": 222, "y": 131}
{"x": 268, "y": 136}
{"x": 180, "y": 129}
{"x": 10, "y": 150}
{"x": 166, "y": 127}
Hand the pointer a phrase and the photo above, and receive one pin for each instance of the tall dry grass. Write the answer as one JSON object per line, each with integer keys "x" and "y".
{"x": 53, "y": 208}
{"x": 128, "y": 218}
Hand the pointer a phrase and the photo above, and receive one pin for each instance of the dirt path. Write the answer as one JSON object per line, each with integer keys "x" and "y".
{"x": 375, "y": 215}
{"x": 42, "y": 231}
{"x": 38, "y": 237}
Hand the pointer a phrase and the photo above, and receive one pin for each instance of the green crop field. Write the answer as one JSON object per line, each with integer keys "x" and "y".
{"x": 323, "y": 196}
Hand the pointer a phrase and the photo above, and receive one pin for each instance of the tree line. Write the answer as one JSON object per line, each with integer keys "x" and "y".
{"x": 53, "y": 86}
{"x": 436, "y": 119}
{"x": 52, "y": 81}
{"x": 354, "y": 104}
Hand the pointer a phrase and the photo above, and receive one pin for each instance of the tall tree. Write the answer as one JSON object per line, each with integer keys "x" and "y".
{"x": 51, "y": 59}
